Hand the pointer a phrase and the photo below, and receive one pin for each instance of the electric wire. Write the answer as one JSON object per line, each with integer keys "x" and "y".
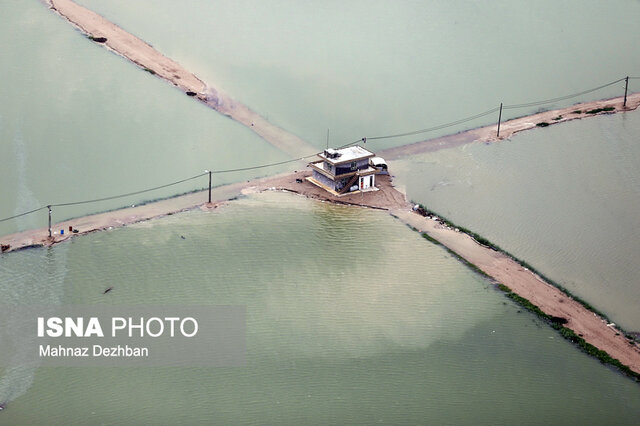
{"x": 113, "y": 197}
{"x": 128, "y": 194}
{"x": 261, "y": 166}
{"x": 561, "y": 98}
{"x": 431, "y": 129}
{"x": 22, "y": 214}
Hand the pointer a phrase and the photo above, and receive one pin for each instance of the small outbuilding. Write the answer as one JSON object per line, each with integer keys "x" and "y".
{"x": 345, "y": 170}
{"x": 378, "y": 163}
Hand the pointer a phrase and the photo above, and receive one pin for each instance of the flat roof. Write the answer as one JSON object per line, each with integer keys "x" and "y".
{"x": 377, "y": 161}
{"x": 350, "y": 153}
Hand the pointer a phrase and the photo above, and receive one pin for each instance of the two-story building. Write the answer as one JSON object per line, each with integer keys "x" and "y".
{"x": 344, "y": 170}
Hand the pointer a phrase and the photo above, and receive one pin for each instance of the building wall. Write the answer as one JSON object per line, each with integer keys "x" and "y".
{"x": 324, "y": 180}
{"x": 346, "y": 168}
{"x": 367, "y": 182}
{"x": 328, "y": 167}
{"x": 364, "y": 182}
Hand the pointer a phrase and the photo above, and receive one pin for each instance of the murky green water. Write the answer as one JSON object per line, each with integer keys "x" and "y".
{"x": 78, "y": 123}
{"x": 565, "y": 199}
{"x": 365, "y": 68}
{"x": 402, "y": 334}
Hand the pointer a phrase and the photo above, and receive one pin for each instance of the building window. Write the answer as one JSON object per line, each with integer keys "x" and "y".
{"x": 354, "y": 165}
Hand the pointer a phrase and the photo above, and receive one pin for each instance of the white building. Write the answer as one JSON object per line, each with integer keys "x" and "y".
{"x": 344, "y": 170}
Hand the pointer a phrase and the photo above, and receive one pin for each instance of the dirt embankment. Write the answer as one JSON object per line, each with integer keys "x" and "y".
{"x": 497, "y": 265}
{"x": 106, "y": 33}
{"x": 511, "y": 127}
{"x": 552, "y": 301}
{"x": 116, "y": 39}
{"x": 386, "y": 198}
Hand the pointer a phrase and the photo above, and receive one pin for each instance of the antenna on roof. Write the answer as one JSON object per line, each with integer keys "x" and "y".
{"x": 327, "y": 138}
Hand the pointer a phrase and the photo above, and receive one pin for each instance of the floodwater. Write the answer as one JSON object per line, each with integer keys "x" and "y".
{"x": 330, "y": 339}
{"x": 566, "y": 199}
{"x": 381, "y": 326}
{"x": 80, "y": 123}
{"x": 365, "y": 68}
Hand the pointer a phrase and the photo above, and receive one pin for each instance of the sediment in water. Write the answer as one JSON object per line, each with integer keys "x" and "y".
{"x": 139, "y": 52}
{"x": 585, "y": 325}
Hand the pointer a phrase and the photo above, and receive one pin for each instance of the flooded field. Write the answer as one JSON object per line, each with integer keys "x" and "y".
{"x": 565, "y": 199}
{"x": 329, "y": 338}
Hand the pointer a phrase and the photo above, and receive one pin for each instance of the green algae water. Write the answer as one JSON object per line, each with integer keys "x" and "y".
{"x": 565, "y": 199}
{"x": 382, "y": 327}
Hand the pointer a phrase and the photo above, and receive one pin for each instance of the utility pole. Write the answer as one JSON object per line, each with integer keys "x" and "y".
{"x": 626, "y": 86}
{"x": 49, "y": 207}
{"x": 327, "y": 138}
{"x": 209, "y": 185}
{"x": 499, "y": 119}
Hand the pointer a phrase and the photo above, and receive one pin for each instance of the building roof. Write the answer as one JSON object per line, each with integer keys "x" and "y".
{"x": 377, "y": 161}
{"x": 344, "y": 155}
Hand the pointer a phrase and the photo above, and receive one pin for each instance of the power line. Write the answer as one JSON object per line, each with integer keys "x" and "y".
{"x": 262, "y": 166}
{"x": 22, "y": 214}
{"x": 126, "y": 195}
{"x": 442, "y": 126}
{"x": 415, "y": 132}
{"x": 113, "y": 197}
{"x": 561, "y": 98}
{"x": 464, "y": 120}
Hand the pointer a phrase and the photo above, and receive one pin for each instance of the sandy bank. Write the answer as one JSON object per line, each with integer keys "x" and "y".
{"x": 141, "y": 53}
{"x": 511, "y": 127}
